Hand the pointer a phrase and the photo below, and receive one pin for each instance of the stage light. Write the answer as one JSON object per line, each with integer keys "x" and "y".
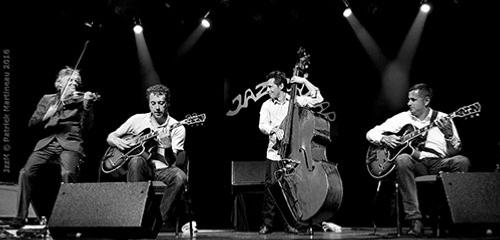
{"x": 425, "y": 7}
{"x": 347, "y": 11}
{"x": 205, "y": 22}
{"x": 137, "y": 25}
{"x": 89, "y": 24}
{"x": 137, "y": 28}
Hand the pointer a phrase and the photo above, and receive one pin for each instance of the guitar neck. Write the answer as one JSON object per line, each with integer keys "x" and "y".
{"x": 410, "y": 136}
{"x": 153, "y": 134}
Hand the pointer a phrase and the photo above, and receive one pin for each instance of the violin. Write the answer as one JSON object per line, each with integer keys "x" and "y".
{"x": 78, "y": 96}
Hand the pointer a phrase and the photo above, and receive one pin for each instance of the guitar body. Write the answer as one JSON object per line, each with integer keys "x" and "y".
{"x": 114, "y": 158}
{"x": 380, "y": 160}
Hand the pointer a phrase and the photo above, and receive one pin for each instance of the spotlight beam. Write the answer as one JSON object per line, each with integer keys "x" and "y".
{"x": 394, "y": 73}
{"x": 146, "y": 68}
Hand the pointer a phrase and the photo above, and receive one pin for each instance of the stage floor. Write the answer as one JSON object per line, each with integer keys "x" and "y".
{"x": 347, "y": 233}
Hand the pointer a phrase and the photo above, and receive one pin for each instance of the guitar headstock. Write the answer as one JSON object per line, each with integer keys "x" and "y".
{"x": 194, "y": 119}
{"x": 469, "y": 111}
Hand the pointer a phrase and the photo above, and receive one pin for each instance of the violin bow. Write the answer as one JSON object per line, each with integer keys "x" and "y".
{"x": 65, "y": 87}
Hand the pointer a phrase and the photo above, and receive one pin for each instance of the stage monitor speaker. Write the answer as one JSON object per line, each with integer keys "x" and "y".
{"x": 248, "y": 173}
{"x": 473, "y": 197}
{"x": 9, "y": 194}
{"x": 106, "y": 209}
{"x": 247, "y": 184}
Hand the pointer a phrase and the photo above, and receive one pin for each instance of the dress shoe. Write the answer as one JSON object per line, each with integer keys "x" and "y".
{"x": 290, "y": 229}
{"x": 264, "y": 229}
{"x": 416, "y": 228}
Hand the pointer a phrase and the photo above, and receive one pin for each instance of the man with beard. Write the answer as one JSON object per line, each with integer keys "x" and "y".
{"x": 158, "y": 161}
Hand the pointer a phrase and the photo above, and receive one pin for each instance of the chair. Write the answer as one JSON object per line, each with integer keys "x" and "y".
{"x": 182, "y": 162}
{"x": 430, "y": 202}
{"x": 429, "y": 189}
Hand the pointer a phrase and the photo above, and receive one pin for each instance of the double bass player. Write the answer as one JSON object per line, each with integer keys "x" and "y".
{"x": 272, "y": 113}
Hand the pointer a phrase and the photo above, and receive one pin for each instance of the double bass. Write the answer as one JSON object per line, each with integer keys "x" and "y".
{"x": 308, "y": 189}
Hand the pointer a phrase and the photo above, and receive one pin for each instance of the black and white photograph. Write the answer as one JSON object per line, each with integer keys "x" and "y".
{"x": 249, "y": 119}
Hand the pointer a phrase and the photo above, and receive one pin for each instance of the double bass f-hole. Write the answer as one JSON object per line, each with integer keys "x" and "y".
{"x": 309, "y": 165}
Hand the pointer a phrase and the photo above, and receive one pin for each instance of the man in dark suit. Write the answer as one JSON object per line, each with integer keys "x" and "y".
{"x": 61, "y": 118}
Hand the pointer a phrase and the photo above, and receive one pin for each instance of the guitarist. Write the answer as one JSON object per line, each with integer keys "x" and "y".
{"x": 438, "y": 151}
{"x": 158, "y": 163}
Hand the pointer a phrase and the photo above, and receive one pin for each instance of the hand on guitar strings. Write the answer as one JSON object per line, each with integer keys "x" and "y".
{"x": 121, "y": 144}
{"x": 391, "y": 141}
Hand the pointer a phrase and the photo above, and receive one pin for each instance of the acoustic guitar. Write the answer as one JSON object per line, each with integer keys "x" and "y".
{"x": 114, "y": 158}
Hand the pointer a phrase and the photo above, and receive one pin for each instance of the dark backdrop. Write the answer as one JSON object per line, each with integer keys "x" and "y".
{"x": 457, "y": 55}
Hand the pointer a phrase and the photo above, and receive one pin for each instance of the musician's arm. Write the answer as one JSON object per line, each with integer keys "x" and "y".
{"x": 313, "y": 95}
{"x": 178, "y": 137}
{"x": 265, "y": 120}
{"x": 393, "y": 124}
{"x": 450, "y": 134}
{"x": 42, "y": 112}
{"x": 114, "y": 138}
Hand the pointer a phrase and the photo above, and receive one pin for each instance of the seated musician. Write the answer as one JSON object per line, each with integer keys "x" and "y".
{"x": 62, "y": 119}
{"x": 438, "y": 152}
{"x": 158, "y": 163}
{"x": 272, "y": 113}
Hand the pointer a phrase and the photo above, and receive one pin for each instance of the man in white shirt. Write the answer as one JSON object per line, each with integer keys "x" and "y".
{"x": 439, "y": 152}
{"x": 272, "y": 113}
{"x": 159, "y": 162}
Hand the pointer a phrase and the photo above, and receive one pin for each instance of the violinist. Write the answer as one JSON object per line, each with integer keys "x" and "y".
{"x": 272, "y": 113}
{"x": 62, "y": 119}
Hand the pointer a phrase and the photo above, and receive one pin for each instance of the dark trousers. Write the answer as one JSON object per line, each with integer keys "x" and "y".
{"x": 140, "y": 169}
{"x": 41, "y": 176}
{"x": 269, "y": 208}
{"x": 409, "y": 168}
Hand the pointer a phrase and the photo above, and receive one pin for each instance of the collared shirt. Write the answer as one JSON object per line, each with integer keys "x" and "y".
{"x": 166, "y": 139}
{"x": 435, "y": 138}
{"x": 273, "y": 112}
